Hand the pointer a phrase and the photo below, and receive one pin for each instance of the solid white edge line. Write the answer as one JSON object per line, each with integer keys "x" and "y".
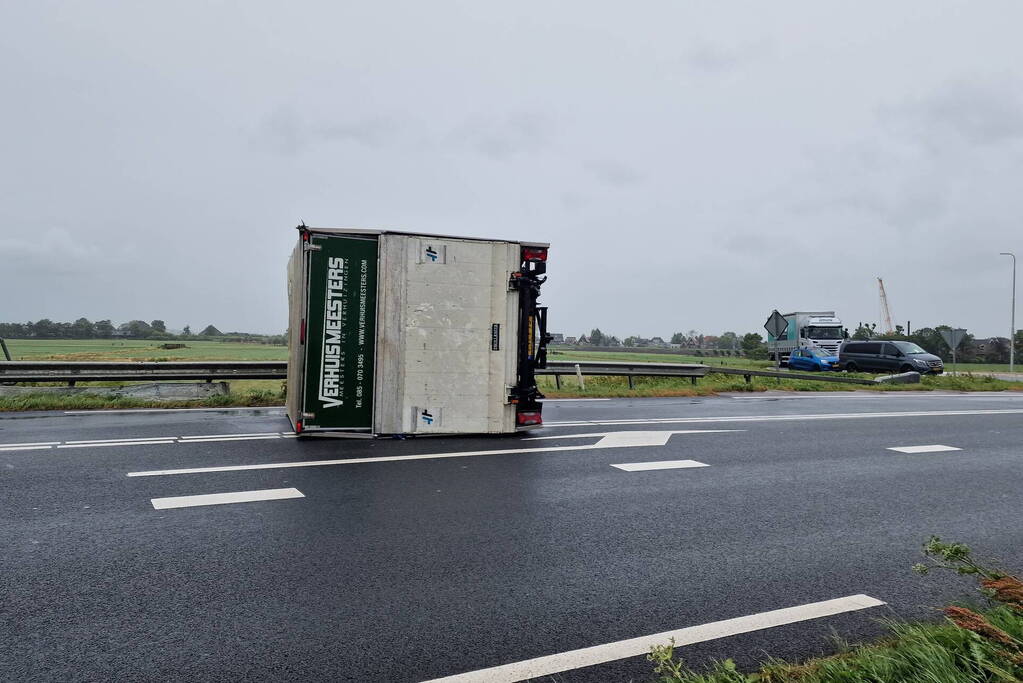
{"x": 116, "y": 443}
{"x": 211, "y": 436}
{"x": 633, "y": 647}
{"x": 225, "y": 498}
{"x": 351, "y": 461}
{"x": 204, "y": 441}
{"x": 166, "y": 410}
{"x": 612, "y": 440}
{"x": 7, "y": 449}
{"x": 29, "y": 443}
{"x": 140, "y": 439}
{"x": 571, "y": 400}
{"x": 934, "y": 448}
{"x": 659, "y": 465}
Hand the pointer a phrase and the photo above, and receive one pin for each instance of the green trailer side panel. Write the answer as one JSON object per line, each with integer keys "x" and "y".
{"x": 341, "y": 333}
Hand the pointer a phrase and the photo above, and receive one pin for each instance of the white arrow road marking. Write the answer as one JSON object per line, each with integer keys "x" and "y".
{"x": 225, "y": 498}
{"x": 674, "y": 431}
{"x": 936, "y": 448}
{"x": 601, "y": 654}
{"x": 659, "y": 465}
{"x": 608, "y": 440}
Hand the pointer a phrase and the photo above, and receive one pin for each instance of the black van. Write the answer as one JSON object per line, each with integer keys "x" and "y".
{"x": 887, "y": 356}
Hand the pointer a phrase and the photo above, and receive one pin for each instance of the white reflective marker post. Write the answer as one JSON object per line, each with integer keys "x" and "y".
{"x": 1012, "y": 315}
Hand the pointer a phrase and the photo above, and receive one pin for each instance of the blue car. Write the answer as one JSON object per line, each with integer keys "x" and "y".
{"x": 812, "y": 360}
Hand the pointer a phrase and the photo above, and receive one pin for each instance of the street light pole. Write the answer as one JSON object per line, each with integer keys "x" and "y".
{"x": 1012, "y": 318}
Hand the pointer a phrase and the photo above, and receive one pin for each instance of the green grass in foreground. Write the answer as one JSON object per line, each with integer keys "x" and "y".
{"x": 942, "y": 653}
{"x": 985, "y": 644}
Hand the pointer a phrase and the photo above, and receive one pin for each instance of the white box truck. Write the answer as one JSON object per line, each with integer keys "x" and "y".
{"x": 404, "y": 333}
{"x": 814, "y": 329}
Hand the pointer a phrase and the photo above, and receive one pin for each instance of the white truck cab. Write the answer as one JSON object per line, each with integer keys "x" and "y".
{"x": 814, "y": 329}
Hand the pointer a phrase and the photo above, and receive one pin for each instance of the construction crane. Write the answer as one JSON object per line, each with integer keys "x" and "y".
{"x": 886, "y": 313}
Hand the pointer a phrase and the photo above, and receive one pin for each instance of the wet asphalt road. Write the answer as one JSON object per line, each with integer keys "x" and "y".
{"x": 413, "y": 569}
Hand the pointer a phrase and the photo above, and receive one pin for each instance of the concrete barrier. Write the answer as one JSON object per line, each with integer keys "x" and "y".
{"x": 902, "y": 378}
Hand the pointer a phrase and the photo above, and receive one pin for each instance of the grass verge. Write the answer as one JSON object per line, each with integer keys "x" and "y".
{"x": 985, "y": 644}
{"x": 612, "y": 387}
{"x": 253, "y": 397}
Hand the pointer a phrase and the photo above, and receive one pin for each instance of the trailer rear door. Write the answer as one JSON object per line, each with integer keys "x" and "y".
{"x": 340, "y": 332}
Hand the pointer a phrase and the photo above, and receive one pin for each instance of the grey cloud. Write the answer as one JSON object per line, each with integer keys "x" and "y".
{"x": 503, "y": 137}
{"x": 288, "y": 132}
{"x": 614, "y": 173}
{"x": 58, "y": 251}
{"x": 372, "y": 132}
{"x": 979, "y": 112}
{"x": 719, "y": 58}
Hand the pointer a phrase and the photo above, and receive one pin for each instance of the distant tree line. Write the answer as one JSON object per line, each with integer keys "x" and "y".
{"x": 83, "y": 328}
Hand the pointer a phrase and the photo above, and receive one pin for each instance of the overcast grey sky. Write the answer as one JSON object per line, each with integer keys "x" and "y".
{"x": 694, "y": 164}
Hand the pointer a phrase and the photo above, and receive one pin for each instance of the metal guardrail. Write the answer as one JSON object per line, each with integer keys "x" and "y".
{"x": 692, "y": 370}
{"x": 560, "y": 368}
{"x": 817, "y": 377}
{"x": 209, "y": 371}
{"x": 71, "y": 372}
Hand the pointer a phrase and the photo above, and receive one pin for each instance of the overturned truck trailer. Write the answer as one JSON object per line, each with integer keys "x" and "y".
{"x": 403, "y": 333}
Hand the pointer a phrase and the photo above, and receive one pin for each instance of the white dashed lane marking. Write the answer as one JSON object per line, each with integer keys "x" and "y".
{"x": 225, "y": 498}
{"x": 935, "y": 448}
{"x": 659, "y": 465}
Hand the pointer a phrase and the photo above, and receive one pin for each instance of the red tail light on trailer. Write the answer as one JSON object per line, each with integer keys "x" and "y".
{"x": 529, "y": 418}
{"x": 534, "y": 253}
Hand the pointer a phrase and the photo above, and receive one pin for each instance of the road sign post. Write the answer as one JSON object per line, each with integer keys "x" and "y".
{"x": 953, "y": 337}
{"x": 776, "y": 325}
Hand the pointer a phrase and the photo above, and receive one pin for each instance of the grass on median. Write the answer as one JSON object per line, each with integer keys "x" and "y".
{"x": 83, "y": 401}
{"x": 984, "y": 644}
{"x": 608, "y": 387}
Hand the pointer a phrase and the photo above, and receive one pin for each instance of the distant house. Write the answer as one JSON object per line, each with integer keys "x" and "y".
{"x": 991, "y": 343}
{"x": 571, "y": 340}
{"x": 657, "y": 341}
{"x": 557, "y": 338}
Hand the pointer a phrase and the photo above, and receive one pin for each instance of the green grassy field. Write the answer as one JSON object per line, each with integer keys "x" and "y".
{"x": 115, "y": 350}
